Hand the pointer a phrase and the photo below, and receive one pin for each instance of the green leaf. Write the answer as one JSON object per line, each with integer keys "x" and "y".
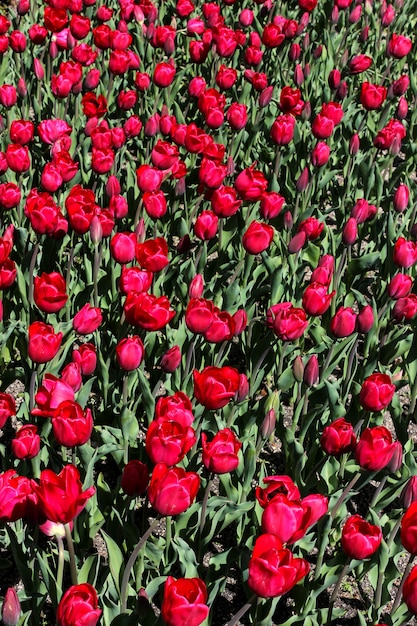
{"x": 116, "y": 560}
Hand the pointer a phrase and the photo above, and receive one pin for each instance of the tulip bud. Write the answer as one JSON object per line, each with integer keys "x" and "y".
{"x": 355, "y": 14}
{"x": 140, "y": 230}
{"x": 298, "y": 369}
{"x": 365, "y": 319}
{"x": 268, "y": 424}
{"x": 397, "y": 458}
{"x": 288, "y": 221}
{"x": 265, "y": 96}
{"x": 342, "y": 90}
{"x": 21, "y": 88}
{"x": 295, "y": 52}
{"x": 395, "y": 147}
{"x": 350, "y": 232}
{"x": 298, "y": 75}
{"x": 303, "y": 180}
{"x": 241, "y": 321}
{"x": 196, "y": 287}
{"x": 112, "y": 186}
{"x": 184, "y": 244}
{"x": 335, "y": 15}
{"x": 311, "y": 371}
{"x": 318, "y": 52}
{"x": 171, "y": 359}
{"x": 297, "y": 242}
{"x": 334, "y": 79}
{"x": 409, "y": 494}
{"x": 306, "y": 41}
{"x": 11, "y": 610}
{"x": 243, "y": 388}
{"x": 306, "y": 70}
{"x": 354, "y": 144}
{"x": 38, "y": 69}
{"x": 401, "y": 198}
{"x": 23, "y": 7}
{"x": 402, "y": 108}
{"x": 364, "y": 34}
{"x": 96, "y": 230}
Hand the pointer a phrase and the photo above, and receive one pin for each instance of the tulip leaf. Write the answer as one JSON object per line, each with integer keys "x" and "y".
{"x": 116, "y": 559}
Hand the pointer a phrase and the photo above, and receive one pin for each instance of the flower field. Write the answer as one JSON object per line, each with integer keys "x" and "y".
{"x": 208, "y": 370}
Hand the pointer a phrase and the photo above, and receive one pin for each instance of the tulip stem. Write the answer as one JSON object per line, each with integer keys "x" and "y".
{"x": 344, "y": 494}
{"x": 61, "y": 559}
{"x": 398, "y": 597}
{"x": 31, "y": 269}
{"x": 168, "y": 536}
{"x": 130, "y": 563}
{"x": 241, "y": 611}
{"x": 73, "y": 566}
{"x": 204, "y": 504}
{"x": 336, "y": 591}
{"x": 378, "y": 491}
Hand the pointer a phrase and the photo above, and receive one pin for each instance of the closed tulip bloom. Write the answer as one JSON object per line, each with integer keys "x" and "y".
{"x": 87, "y": 320}
{"x": 410, "y": 591}
{"x": 123, "y": 247}
{"x": 185, "y": 602}
{"x": 365, "y": 319}
{"x": 222, "y": 327}
{"x": 271, "y": 205}
{"x": 86, "y": 358}
{"x": 79, "y": 605}
{"x": 377, "y": 392}
{"x": 372, "y": 96}
{"x": 375, "y": 448}
{"x": 399, "y": 46}
{"x": 257, "y": 237}
{"x": 50, "y": 394}
{"x": 17, "y": 496}
{"x": 338, "y": 438}
{"x": 130, "y": 353}
{"x": 220, "y": 455}
{"x": 27, "y": 443}
{"x": 401, "y": 198}
{"x": 350, "y": 232}
{"x": 316, "y": 299}
{"x": 405, "y": 308}
{"x": 320, "y": 154}
{"x": 135, "y": 478}
{"x": 405, "y": 253}
{"x": 360, "y": 539}
{"x": 273, "y": 570}
{"x": 152, "y": 254}
{"x": 49, "y": 292}
{"x": 199, "y": 315}
{"x": 11, "y": 609}
{"x": 206, "y": 225}
{"x": 251, "y": 184}
{"x": 311, "y": 371}
{"x": 168, "y": 441}
{"x": 409, "y": 493}
{"x": 360, "y": 63}
{"x": 71, "y": 424}
{"x": 343, "y": 323}
{"x": 399, "y": 286}
{"x": 282, "y": 131}
{"x": 171, "y": 359}
{"x": 44, "y": 343}
{"x": 172, "y": 490}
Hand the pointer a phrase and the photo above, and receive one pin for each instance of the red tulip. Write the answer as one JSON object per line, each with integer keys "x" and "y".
{"x": 78, "y": 605}
{"x": 185, "y": 602}
{"x": 359, "y": 538}
{"x": 172, "y": 490}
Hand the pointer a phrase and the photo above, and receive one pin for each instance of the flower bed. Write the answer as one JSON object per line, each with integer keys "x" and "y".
{"x": 207, "y": 261}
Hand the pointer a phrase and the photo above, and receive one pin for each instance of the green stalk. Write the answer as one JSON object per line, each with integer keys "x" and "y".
{"x": 335, "y": 592}
{"x": 60, "y": 571}
{"x": 398, "y": 597}
{"x": 241, "y": 611}
{"x": 130, "y": 563}
{"x": 73, "y": 566}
